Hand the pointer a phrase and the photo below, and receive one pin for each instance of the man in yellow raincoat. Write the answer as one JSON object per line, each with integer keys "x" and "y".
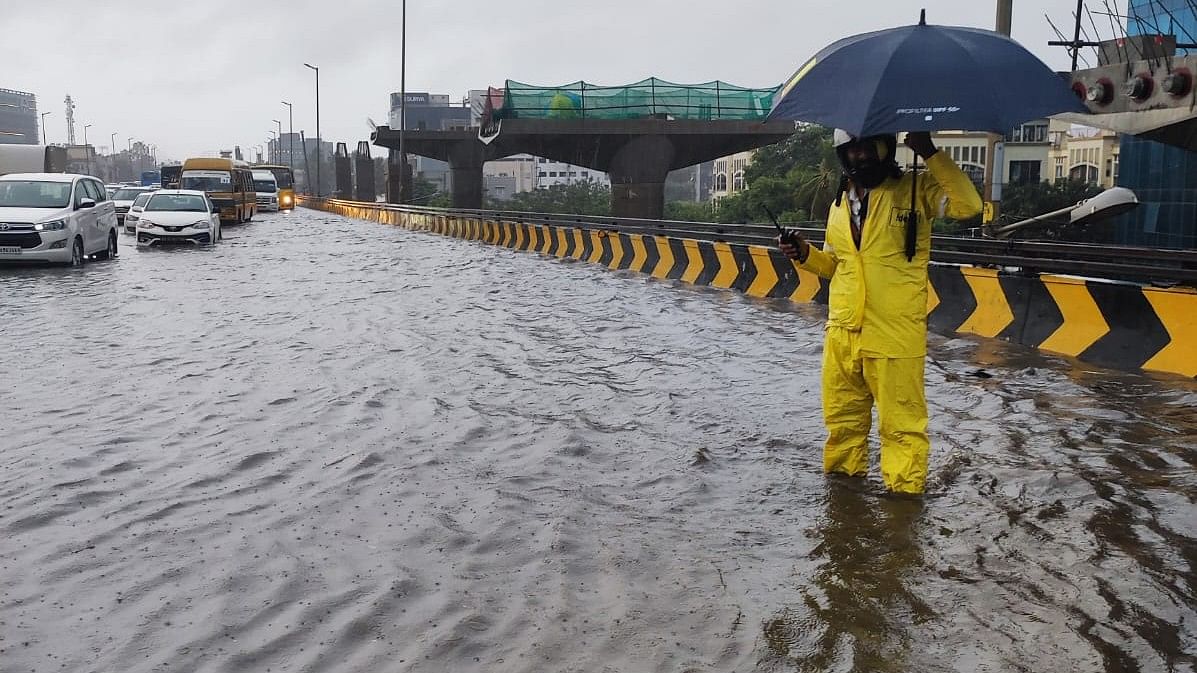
{"x": 877, "y": 323}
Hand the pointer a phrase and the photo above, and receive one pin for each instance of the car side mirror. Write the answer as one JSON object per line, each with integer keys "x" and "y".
{"x": 86, "y": 203}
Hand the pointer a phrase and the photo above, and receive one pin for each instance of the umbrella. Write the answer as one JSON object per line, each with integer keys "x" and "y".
{"x": 924, "y": 78}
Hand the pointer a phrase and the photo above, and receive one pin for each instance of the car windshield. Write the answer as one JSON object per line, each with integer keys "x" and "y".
{"x": 34, "y": 194}
{"x": 187, "y": 203}
{"x": 127, "y": 194}
{"x": 264, "y": 186}
{"x": 207, "y": 181}
{"x": 141, "y": 199}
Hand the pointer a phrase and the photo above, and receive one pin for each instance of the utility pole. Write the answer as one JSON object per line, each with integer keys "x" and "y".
{"x": 995, "y": 155}
{"x": 44, "y": 126}
{"x": 278, "y": 144}
{"x": 70, "y": 119}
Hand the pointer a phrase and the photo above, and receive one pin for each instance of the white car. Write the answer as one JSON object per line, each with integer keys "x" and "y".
{"x": 266, "y": 190}
{"x": 134, "y": 213}
{"x": 178, "y": 216}
{"x": 55, "y": 217}
{"x": 123, "y": 199}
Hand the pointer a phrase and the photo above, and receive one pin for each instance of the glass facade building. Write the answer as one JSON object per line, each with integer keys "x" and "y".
{"x": 18, "y": 118}
{"x": 1164, "y": 177}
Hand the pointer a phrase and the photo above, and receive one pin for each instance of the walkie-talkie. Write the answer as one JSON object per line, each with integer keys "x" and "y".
{"x": 784, "y": 235}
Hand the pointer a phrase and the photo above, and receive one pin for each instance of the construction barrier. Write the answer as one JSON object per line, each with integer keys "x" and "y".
{"x": 1110, "y": 323}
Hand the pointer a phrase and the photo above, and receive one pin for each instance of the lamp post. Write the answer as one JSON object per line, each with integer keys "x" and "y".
{"x": 1110, "y": 203}
{"x": 290, "y": 139}
{"x": 278, "y": 149}
{"x": 87, "y": 148}
{"x": 44, "y": 126}
{"x": 318, "y": 157}
{"x": 403, "y": 195}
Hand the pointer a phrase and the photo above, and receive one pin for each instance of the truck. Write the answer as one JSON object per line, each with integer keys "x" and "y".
{"x": 32, "y": 159}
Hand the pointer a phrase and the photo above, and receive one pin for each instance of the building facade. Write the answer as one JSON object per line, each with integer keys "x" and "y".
{"x": 18, "y": 118}
{"x": 549, "y": 173}
{"x": 429, "y": 111}
{"x": 728, "y": 175}
{"x": 506, "y": 177}
{"x": 1163, "y": 177}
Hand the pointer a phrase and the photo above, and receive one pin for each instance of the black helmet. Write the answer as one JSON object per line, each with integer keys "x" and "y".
{"x": 881, "y": 166}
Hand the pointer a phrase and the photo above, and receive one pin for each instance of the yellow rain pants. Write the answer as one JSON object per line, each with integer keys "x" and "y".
{"x": 852, "y": 384}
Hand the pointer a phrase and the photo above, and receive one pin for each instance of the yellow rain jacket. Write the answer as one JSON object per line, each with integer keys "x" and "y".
{"x": 877, "y": 323}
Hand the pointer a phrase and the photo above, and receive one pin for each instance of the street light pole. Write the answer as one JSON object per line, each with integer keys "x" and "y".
{"x": 86, "y": 147}
{"x": 403, "y": 195}
{"x": 290, "y": 139}
{"x": 318, "y": 148}
{"x": 278, "y": 148}
{"x": 44, "y": 126}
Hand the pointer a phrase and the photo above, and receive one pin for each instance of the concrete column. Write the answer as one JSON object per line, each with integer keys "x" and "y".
{"x": 465, "y": 171}
{"x": 467, "y": 184}
{"x": 638, "y": 171}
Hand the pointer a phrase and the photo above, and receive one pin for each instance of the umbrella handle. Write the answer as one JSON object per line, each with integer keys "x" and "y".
{"x": 912, "y": 221}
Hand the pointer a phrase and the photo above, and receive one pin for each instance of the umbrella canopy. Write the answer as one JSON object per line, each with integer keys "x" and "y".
{"x": 924, "y": 78}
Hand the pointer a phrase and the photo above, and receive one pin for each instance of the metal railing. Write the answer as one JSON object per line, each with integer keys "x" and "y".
{"x": 1128, "y": 263}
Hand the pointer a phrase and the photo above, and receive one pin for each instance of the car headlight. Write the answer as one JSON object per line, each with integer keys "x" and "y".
{"x": 146, "y": 224}
{"x": 52, "y": 225}
{"x": 201, "y": 224}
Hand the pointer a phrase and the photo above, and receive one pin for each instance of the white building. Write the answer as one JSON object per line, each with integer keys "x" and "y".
{"x": 503, "y": 178}
{"x": 549, "y": 173}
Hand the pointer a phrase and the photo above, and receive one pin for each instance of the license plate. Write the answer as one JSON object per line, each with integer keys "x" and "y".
{"x": 9, "y": 250}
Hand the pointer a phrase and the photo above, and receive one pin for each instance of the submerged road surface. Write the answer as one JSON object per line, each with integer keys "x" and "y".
{"x": 332, "y": 445}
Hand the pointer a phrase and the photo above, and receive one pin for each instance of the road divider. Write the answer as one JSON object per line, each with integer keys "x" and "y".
{"x": 1117, "y": 324}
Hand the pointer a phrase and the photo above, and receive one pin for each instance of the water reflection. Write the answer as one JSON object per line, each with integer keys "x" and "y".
{"x": 859, "y": 605}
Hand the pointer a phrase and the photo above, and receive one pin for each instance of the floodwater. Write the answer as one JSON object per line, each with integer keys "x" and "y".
{"x": 332, "y": 445}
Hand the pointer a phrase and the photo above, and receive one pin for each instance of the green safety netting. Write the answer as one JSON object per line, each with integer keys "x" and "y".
{"x": 647, "y": 98}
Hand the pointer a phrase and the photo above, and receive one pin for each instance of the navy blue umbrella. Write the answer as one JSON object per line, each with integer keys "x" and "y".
{"x": 924, "y": 78}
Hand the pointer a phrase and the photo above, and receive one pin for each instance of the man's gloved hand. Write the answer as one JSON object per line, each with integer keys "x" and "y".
{"x": 793, "y": 245}
{"x": 920, "y": 143}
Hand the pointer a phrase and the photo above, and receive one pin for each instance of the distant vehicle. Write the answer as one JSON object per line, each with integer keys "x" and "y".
{"x": 228, "y": 183}
{"x": 32, "y": 159}
{"x": 286, "y": 183}
{"x": 178, "y": 216}
{"x": 55, "y": 217}
{"x": 149, "y": 178}
{"x": 111, "y": 188}
{"x": 170, "y": 176}
{"x": 123, "y": 200}
{"x": 266, "y": 190}
{"x": 134, "y": 213}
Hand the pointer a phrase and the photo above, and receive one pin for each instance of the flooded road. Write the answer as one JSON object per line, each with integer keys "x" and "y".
{"x": 331, "y": 445}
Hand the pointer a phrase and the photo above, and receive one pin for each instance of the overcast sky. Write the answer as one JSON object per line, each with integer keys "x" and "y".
{"x": 194, "y": 77}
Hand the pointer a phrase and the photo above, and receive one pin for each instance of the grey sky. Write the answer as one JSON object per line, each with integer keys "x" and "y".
{"x": 195, "y": 77}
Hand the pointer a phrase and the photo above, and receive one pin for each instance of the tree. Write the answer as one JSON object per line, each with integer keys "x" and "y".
{"x": 689, "y": 211}
{"x": 795, "y": 179}
{"x": 578, "y": 198}
{"x": 1020, "y": 202}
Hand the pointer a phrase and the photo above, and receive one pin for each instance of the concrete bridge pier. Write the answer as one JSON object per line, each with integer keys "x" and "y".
{"x": 465, "y": 171}
{"x": 638, "y": 170}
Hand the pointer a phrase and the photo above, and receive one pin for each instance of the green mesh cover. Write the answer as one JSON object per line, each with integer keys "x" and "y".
{"x": 648, "y": 98}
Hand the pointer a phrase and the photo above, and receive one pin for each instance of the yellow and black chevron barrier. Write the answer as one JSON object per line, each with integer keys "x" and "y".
{"x": 1115, "y": 324}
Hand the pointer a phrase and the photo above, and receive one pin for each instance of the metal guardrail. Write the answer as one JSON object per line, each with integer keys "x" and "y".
{"x": 1157, "y": 266}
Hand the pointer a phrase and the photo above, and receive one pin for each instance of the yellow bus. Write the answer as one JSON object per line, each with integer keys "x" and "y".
{"x": 228, "y": 182}
{"x": 286, "y": 184}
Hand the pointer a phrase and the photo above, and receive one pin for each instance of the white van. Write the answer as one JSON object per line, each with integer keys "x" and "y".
{"x": 55, "y": 217}
{"x": 266, "y": 189}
